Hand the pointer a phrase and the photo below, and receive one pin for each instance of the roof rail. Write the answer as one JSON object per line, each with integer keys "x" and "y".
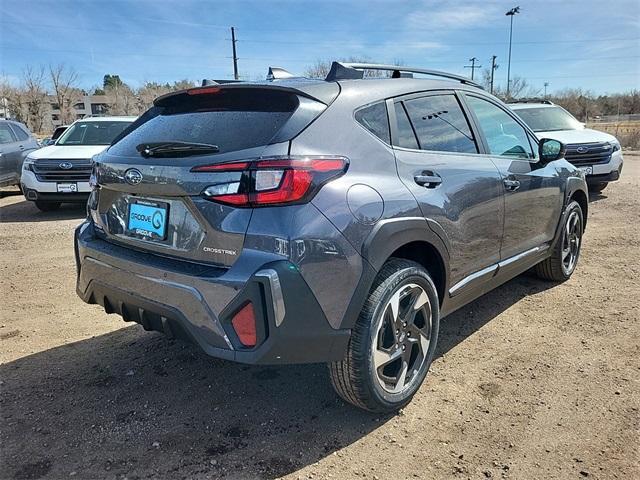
{"x": 278, "y": 73}
{"x": 347, "y": 71}
{"x": 532, "y": 100}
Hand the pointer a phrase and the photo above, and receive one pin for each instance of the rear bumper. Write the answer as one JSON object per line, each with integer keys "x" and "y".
{"x": 196, "y": 303}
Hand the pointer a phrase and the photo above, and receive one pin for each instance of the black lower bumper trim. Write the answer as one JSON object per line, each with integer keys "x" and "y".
{"x": 33, "y": 195}
{"x": 607, "y": 177}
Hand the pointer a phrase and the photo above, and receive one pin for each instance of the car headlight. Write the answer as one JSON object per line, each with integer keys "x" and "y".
{"x": 615, "y": 146}
{"x": 28, "y": 164}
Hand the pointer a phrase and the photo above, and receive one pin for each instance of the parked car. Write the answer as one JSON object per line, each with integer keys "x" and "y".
{"x": 597, "y": 154}
{"x": 60, "y": 173}
{"x": 16, "y": 141}
{"x": 59, "y": 130}
{"x": 331, "y": 220}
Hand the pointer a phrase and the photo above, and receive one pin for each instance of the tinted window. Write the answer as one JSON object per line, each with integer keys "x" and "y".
{"x": 19, "y": 131}
{"x": 6, "y": 136}
{"x": 406, "y": 137}
{"x": 440, "y": 124}
{"x": 374, "y": 118}
{"x": 504, "y": 135}
{"x": 233, "y": 119}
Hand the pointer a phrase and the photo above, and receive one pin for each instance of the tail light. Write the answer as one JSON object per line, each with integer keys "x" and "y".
{"x": 244, "y": 323}
{"x": 272, "y": 181}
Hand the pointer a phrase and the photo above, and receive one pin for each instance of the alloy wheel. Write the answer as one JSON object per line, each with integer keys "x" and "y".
{"x": 401, "y": 342}
{"x": 571, "y": 242}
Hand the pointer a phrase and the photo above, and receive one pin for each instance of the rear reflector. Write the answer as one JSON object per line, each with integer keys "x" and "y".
{"x": 244, "y": 323}
{"x": 273, "y": 181}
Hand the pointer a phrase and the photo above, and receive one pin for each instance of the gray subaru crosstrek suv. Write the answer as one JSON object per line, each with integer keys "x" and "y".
{"x": 334, "y": 220}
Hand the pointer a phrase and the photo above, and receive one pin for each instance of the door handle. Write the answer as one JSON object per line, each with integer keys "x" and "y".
{"x": 20, "y": 147}
{"x": 428, "y": 180}
{"x": 511, "y": 184}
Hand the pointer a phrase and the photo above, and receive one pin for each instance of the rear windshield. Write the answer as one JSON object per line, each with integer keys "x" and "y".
{"x": 92, "y": 133}
{"x": 232, "y": 119}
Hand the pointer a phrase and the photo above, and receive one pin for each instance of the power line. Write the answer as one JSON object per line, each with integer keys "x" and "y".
{"x": 473, "y": 66}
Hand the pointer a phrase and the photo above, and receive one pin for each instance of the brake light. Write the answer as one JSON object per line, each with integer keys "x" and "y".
{"x": 244, "y": 323}
{"x": 273, "y": 181}
{"x": 203, "y": 91}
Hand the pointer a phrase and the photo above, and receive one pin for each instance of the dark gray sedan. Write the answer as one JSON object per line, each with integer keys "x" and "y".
{"x": 16, "y": 141}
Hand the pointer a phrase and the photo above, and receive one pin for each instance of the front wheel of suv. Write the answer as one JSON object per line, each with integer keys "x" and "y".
{"x": 562, "y": 262}
{"x": 393, "y": 341}
{"x": 47, "y": 206}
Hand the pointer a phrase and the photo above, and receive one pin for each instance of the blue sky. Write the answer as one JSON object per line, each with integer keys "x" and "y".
{"x": 590, "y": 44}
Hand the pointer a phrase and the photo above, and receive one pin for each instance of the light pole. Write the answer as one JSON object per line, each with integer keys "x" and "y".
{"x": 546, "y": 84}
{"x": 511, "y": 13}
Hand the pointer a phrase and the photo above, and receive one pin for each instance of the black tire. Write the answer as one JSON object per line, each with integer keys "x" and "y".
{"x": 555, "y": 267}
{"x": 598, "y": 187}
{"x": 47, "y": 206}
{"x": 356, "y": 378}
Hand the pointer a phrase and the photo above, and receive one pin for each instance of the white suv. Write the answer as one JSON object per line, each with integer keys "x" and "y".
{"x": 596, "y": 153}
{"x": 60, "y": 173}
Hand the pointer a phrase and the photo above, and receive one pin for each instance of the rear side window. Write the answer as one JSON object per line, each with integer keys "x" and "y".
{"x": 6, "y": 136}
{"x": 374, "y": 118}
{"x": 232, "y": 119}
{"x": 440, "y": 124}
{"x": 406, "y": 136}
{"x": 19, "y": 131}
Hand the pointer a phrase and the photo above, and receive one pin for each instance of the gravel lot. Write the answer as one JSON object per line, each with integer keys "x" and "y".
{"x": 534, "y": 380}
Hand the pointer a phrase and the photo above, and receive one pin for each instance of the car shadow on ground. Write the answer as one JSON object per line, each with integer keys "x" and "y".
{"x": 135, "y": 404}
{"x": 26, "y": 211}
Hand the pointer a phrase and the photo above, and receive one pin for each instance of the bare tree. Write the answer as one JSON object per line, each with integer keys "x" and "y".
{"x": 35, "y": 97}
{"x": 121, "y": 100}
{"x": 66, "y": 91}
{"x": 149, "y": 92}
{"x": 12, "y": 101}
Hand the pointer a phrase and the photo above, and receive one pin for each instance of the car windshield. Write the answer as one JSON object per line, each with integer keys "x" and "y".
{"x": 92, "y": 133}
{"x": 548, "y": 119}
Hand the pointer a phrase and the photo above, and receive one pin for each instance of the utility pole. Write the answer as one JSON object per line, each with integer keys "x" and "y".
{"x": 511, "y": 13}
{"x": 546, "y": 84}
{"x": 493, "y": 69}
{"x": 473, "y": 66}
{"x": 235, "y": 57}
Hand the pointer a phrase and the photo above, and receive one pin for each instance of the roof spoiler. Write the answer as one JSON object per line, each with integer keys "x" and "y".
{"x": 351, "y": 71}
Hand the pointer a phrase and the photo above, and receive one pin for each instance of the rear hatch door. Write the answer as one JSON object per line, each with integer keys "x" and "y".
{"x": 149, "y": 198}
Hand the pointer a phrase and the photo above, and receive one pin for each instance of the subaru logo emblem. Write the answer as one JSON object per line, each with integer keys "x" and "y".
{"x": 582, "y": 149}
{"x": 66, "y": 165}
{"x": 133, "y": 176}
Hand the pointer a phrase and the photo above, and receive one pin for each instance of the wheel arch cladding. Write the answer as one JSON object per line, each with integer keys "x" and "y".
{"x": 409, "y": 238}
{"x": 583, "y": 200}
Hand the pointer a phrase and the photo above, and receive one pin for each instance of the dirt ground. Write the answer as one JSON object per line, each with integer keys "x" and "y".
{"x": 532, "y": 381}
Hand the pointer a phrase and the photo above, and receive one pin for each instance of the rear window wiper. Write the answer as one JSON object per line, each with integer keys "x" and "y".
{"x": 164, "y": 149}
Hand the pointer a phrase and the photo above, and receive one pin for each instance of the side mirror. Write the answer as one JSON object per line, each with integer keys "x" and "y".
{"x": 550, "y": 150}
